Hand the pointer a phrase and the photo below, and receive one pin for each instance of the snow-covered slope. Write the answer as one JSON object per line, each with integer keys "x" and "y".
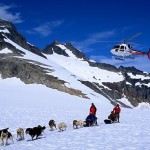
{"x": 30, "y": 105}
{"x": 72, "y": 80}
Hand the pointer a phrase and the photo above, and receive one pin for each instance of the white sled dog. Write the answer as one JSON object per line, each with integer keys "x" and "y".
{"x": 62, "y": 126}
{"x": 20, "y": 133}
{"x": 78, "y": 123}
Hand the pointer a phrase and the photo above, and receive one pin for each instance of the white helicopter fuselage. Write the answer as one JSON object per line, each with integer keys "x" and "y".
{"x": 123, "y": 50}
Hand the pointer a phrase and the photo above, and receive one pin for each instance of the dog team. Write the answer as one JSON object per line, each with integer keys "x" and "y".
{"x": 35, "y": 132}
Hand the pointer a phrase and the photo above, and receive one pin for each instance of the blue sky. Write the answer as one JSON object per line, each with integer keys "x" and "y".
{"x": 86, "y": 24}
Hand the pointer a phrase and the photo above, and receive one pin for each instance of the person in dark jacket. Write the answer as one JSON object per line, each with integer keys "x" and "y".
{"x": 90, "y": 120}
{"x": 112, "y": 116}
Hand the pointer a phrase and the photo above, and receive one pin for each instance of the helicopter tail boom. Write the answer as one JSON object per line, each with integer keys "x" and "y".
{"x": 141, "y": 53}
{"x": 138, "y": 52}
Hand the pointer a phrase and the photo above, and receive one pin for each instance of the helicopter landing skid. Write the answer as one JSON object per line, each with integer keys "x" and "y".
{"x": 129, "y": 57}
{"x": 117, "y": 58}
{"x": 123, "y": 58}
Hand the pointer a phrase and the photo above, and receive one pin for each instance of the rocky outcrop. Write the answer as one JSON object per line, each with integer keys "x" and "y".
{"x": 16, "y": 37}
{"x": 135, "y": 90}
{"x": 132, "y": 69}
{"x": 104, "y": 66}
{"x": 110, "y": 95}
{"x": 31, "y": 73}
{"x": 76, "y": 52}
{"x": 53, "y": 48}
{"x": 128, "y": 88}
{"x": 15, "y": 51}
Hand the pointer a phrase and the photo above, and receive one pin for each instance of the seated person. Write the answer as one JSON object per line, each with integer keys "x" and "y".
{"x": 112, "y": 116}
{"x": 90, "y": 120}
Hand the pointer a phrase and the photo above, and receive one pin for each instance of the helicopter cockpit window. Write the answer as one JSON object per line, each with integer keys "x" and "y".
{"x": 116, "y": 46}
{"x": 121, "y": 47}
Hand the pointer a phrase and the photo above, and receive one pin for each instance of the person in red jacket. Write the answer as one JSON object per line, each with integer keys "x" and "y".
{"x": 93, "y": 109}
{"x": 117, "y": 111}
{"x": 92, "y": 114}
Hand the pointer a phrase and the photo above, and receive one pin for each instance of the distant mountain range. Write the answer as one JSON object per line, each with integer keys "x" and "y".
{"x": 64, "y": 68}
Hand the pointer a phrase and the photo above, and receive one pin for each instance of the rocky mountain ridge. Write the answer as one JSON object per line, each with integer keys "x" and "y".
{"x": 14, "y": 63}
{"x": 7, "y": 29}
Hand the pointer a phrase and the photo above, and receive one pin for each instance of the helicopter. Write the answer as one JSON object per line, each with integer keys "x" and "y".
{"x": 125, "y": 50}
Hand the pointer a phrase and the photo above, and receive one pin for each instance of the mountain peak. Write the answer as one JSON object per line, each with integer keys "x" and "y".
{"x": 56, "y": 42}
{"x": 59, "y": 48}
{"x": 54, "y": 48}
{"x": 75, "y": 51}
{"x": 8, "y": 31}
{"x": 6, "y": 25}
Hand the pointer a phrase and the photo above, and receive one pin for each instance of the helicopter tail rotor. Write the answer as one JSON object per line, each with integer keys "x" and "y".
{"x": 148, "y": 54}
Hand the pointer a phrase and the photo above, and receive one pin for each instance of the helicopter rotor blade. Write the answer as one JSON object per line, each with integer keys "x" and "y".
{"x": 134, "y": 36}
{"x": 108, "y": 41}
{"x": 134, "y": 43}
{"x": 124, "y": 41}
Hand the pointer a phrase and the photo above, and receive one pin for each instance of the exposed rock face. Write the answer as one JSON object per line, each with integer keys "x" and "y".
{"x": 31, "y": 73}
{"x": 132, "y": 69}
{"x": 127, "y": 88}
{"x": 134, "y": 93}
{"x": 50, "y": 49}
{"x": 105, "y": 92}
{"x": 54, "y": 48}
{"x": 104, "y": 66}
{"x": 76, "y": 52}
{"x": 15, "y": 51}
{"x": 13, "y": 35}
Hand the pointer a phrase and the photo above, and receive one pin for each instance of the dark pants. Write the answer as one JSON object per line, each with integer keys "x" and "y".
{"x": 91, "y": 119}
{"x": 117, "y": 116}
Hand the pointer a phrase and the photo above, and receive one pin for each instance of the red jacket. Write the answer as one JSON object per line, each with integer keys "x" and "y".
{"x": 117, "y": 109}
{"x": 93, "y": 110}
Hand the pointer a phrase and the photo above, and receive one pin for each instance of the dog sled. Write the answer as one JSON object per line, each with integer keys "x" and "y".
{"x": 112, "y": 118}
{"x": 91, "y": 120}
